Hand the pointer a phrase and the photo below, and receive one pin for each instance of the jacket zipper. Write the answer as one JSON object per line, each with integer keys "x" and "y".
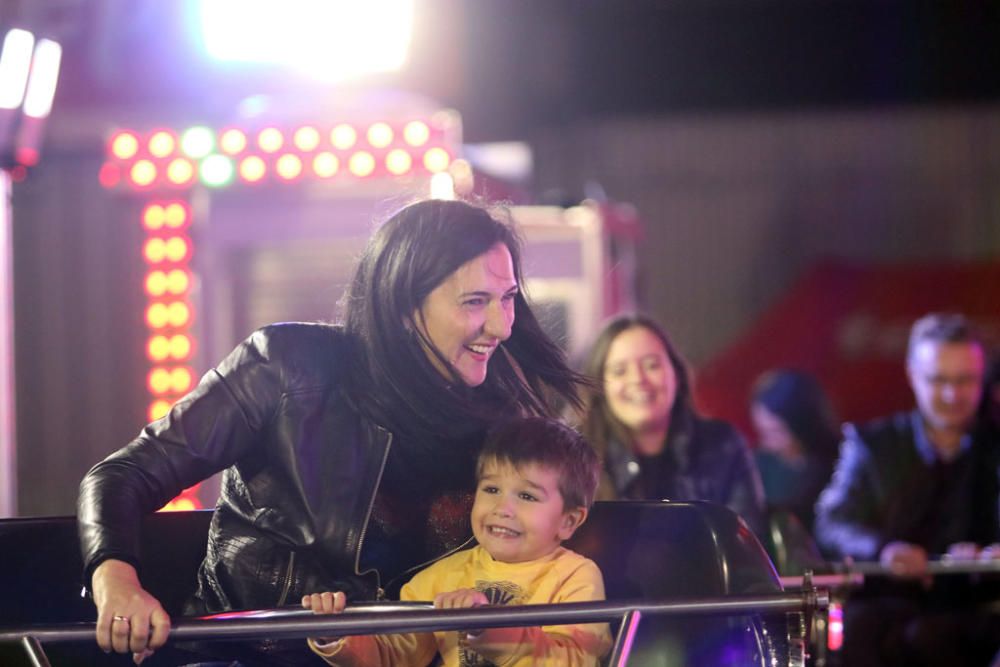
{"x": 380, "y": 593}
{"x": 288, "y": 579}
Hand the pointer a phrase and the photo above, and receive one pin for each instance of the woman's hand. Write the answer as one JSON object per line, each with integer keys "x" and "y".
{"x": 325, "y": 603}
{"x": 129, "y": 619}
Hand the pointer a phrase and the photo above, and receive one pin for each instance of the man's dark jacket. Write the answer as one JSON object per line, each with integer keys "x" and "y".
{"x": 884, "y": 490}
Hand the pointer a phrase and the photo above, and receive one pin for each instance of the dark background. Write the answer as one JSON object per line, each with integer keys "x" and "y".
{"x": 512, "y": 65}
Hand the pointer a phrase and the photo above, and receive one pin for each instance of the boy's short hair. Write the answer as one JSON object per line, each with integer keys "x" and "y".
{"x": 549, "y": 443}
{"x": 943, "y": 328}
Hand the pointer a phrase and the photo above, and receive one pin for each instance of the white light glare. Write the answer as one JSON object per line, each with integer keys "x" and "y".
{"x": 328, "y": 39}
{"x": 442, "y": 186}
{"x": 44, "y": 76}
{"x": 15, "y": 61}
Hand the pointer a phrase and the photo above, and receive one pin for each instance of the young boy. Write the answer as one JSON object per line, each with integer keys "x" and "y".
{"x": 536, "y": 480}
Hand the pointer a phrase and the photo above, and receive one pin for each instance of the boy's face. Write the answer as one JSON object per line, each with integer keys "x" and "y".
{"x": 518, "y": 513}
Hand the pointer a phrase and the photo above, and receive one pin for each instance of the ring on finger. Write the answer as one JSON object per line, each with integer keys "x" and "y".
{"x": 116, "y": 617}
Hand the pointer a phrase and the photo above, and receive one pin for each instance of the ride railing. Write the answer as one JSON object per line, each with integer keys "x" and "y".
{"x": 381, "y": 618}
{"x": 852, "y": 574}
{"x": 845, "y": 579}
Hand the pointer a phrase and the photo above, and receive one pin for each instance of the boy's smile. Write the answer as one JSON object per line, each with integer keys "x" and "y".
{"x": 518, "y": 514}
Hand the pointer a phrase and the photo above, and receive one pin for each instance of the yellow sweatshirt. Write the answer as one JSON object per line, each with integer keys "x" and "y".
{"x": 562, "y": 576}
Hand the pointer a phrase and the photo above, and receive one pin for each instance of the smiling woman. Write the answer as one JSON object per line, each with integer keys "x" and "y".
{"x": 654, "y": 444}
{"x": 466, "y": 318}
{"x": 349, "y": 451}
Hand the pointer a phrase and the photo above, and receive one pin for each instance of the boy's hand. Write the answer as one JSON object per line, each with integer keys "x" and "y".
{"x": 325, "y": 603}
{"x": 461, "y": 599}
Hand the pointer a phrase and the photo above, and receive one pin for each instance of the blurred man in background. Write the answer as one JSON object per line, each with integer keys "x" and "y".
{"x": 909, "y": 487}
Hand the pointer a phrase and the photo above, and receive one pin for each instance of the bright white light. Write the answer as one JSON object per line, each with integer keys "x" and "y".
{"x": 442, "y": 186}
{"x": 197, "y": 142}
{"x": 328, "y": 39}
{"x": 15, "y": 61}
{"x": 43, "y": 79}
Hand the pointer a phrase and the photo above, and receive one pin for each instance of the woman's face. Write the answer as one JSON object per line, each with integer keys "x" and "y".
{"x": 640, "y": 384}
{"x": 469, "y": 314}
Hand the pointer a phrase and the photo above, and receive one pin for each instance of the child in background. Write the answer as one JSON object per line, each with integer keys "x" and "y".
{"x": 536, "y": 480}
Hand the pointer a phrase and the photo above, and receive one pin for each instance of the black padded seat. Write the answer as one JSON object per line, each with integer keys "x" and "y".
{"x": 670, "y": 550}
{"x": 646, "y": 550}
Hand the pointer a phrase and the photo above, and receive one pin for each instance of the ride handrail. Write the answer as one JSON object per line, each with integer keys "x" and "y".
{"x": 853, "y": 573}
{"x": 292, "y": 623}
{"x": 943, "y": 565}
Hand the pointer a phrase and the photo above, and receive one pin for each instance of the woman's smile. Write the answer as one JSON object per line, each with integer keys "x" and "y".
{"x": 467, "y": 316}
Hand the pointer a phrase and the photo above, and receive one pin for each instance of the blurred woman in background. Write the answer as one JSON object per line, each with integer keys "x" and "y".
{"x": 797, "y": 438}
{"x": 641, "y": 419}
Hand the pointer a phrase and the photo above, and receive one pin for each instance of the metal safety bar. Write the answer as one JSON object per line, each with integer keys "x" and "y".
{"x": 626, "y": 636}
{"x": 394, "y": 618}
{"x": 853, "y": 573}
{"x": 943, "y": 566}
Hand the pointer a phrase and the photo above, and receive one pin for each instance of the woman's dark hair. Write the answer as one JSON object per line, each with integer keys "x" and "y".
{"x": 412, "y": 253}
{"x": 599, "y": 425}
{"x": 798, "y": 399}
{"x": 549, "y": 443}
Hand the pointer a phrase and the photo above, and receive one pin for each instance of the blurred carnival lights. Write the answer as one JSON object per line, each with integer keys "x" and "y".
{"x": 197, "y": 142}
{"x": 29, "y": 73}
{"x": 288, "y": 166}
{"x": 330, "y": 40}
{"x": 15, "y": 63}
{"x": 401, "y": 148}
{"x": 43, "y": 79}
{"x": 169, "y": 315}
{"x": 233, "y": 141}
{"x": 306, "y": 138}
{"x": 124, "y": 145}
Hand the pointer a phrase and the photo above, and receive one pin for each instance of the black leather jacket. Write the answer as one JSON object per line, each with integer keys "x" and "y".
{"x": 703, "y": 459}
{"x": 301, "y": 473}
{"x": 885, "y": 489}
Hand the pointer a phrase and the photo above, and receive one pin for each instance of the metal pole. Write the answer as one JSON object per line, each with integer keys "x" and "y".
{"x": 297, "y": 624}
{"x": 35, "y": 652}
{"x": 934, "y": 567}
{"x": 825, "y": 580}
{"x": 626, "y": 635}
{"x": 8, "y": 445}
